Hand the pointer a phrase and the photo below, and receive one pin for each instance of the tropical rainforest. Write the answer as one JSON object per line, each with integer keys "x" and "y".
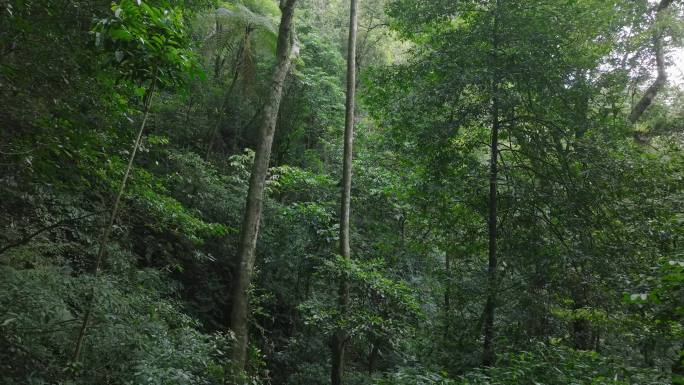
{"x": 357, "y": 192}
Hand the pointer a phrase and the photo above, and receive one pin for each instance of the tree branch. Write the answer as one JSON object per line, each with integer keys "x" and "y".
{"x": 660, "y": 81}
{"x": 652, "y": 91}
{"x": 36, "y": 233}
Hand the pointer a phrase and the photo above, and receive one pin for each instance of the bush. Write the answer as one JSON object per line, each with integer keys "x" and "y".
{"x": 544, "y": 364}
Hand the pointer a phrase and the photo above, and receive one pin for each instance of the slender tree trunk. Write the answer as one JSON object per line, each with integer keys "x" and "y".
{"x": 447, "y": 293}
{"x": 339, "y": 339}
{"x": 488, "y": 355}
{"x": 597, "y": 340}
{"x": 257, "y": 181}
{"x": 488, "y": 352}
{"x": 678, "y": 366}
{"x": 581, "y": 327}
{"x": 104, "y": 239}
{"x": 373, "y": 358}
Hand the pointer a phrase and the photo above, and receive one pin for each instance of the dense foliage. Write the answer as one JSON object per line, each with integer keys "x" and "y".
{"x": 587, "y": 206}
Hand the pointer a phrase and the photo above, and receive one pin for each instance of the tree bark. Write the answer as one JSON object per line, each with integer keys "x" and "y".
{"x": 257, "y": 181}
{"x": 488, "y": 355}
{"x": 340, "y": 338}
{"x": 660, "y": 81}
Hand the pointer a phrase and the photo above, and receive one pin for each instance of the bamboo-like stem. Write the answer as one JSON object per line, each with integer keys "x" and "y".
{"x": 104, "y": 239}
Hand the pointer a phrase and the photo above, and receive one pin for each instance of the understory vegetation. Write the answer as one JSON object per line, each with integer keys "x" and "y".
{"x": 363, "y": 192}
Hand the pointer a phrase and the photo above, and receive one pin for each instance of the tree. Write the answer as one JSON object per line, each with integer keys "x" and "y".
{"x": 488, "y": 355}
{"x": 505, "y": 227}
{"x": 340, "y": 339}
{"x": 286, "y": 49}
{"x": 239, "y": 34}
{"x": 494, "y": 72}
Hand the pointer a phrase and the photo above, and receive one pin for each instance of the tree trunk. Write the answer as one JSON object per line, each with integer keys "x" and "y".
{"x": 660, "y": 81}
{"x": 652, "y": 91}
{"x": 488, "y": 351}
{"x": 581, "y": 334}
{"x": 373, "y": 358}
{"x": 581, "y": 328}
{"x": 447, "y": 293}
{"x": 488, "y": 355}
{"x": 678, "y": 367}
{"x": 257, "y": 181}
{"x": 340, "y": 338}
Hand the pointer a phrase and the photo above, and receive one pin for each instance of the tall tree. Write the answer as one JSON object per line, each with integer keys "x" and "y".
{"x": 239, "y": 34}
{"x": 486, "y": 69}
{"x": 488, "y": 354}
{"x": 340, "y": 337}
{"x": 286, "y": 49}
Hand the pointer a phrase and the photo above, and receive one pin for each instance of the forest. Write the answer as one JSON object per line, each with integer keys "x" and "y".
{"x": 343, "y": 192}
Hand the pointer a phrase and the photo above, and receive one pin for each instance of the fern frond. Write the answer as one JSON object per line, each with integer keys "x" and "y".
{"x": 240, "y": 15}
